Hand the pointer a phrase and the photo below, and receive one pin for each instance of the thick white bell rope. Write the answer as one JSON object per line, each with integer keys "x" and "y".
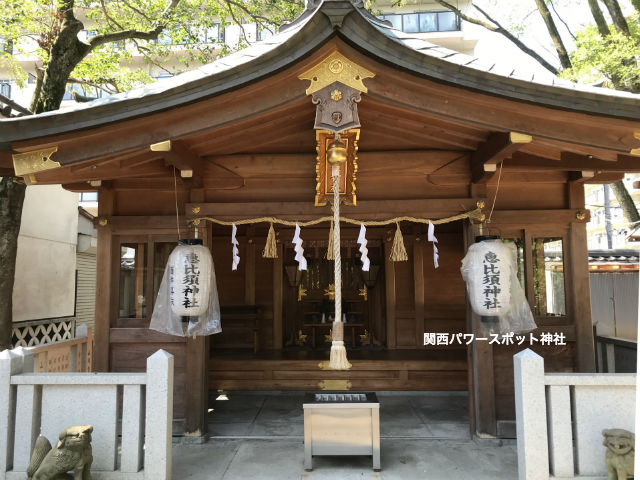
{"x": 236, "y": 257}
{"x": 364, "y": 251}
{"x": 432, "y": 238}
{"x": 297, "y": 241}
{"x": 338, "y": 359}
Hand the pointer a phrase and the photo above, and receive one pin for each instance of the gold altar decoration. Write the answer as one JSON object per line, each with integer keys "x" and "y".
{"x": 364, "y": 293}
{"x": 336, "y": 68}
{"x": 334, "y": 385}
{"x": 348, "y": 169}
{"x": 302, "y": 339}
{"x": 302, "y": 292}
{"x": 330, "y": 292}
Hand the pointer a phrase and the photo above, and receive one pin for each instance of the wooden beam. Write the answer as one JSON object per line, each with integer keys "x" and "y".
{"x": 538, "y": 217}
{"x": 305, "y": 210}
{"x": 497, "y": 147}
{"x": 393, "y": 162}
{"x": 581, "y": 176}
{"x": 569, "y": 161}
{"x": 178, "y": 155}
{"x": 605, "y": 177}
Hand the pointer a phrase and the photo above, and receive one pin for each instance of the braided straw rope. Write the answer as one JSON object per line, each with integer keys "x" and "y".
{"x": 471, "y": 214}
{"x": 338, "y": 355}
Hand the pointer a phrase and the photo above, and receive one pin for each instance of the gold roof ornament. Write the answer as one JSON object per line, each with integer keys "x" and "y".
{"x": 336, "y": 68}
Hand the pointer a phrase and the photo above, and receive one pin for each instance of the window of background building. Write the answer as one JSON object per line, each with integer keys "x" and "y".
{"x": 5, "y": 88}
{"x": 424, "y": 22}
{"x": 88, "y": 196}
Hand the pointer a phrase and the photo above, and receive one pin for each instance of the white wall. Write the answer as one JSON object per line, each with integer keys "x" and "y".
{"x": 46, "y": 261}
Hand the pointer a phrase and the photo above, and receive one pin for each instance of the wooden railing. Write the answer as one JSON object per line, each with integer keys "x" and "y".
{"x": 66, "y": 356}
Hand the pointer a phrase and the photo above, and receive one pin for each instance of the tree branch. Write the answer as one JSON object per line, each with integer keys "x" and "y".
{"x": 125, "y": 35}
{"x": 497, "y": 28}
{"x": 599, "y": 18}
{"x": 553, "y": 5}
{"x": 565, "y": 61}
{"x": 618, "y": 18}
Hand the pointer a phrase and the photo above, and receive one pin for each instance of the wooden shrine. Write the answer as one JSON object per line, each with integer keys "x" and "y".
{"x": 435, "y": 135}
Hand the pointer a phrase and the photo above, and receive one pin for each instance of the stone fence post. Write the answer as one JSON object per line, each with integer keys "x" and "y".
{"x": 159, "y": 416}
{"x": 10, "y": 364}
{"x": 531, "y": 416}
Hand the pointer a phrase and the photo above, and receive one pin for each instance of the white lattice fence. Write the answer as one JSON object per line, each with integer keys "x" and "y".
{"x": 42, "y": 332}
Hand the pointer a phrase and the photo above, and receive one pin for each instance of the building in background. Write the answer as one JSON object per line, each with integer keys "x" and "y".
{"x": 54, "y": 287}
{"x": 608, "y": 228}
{"x": 426, "y": 19}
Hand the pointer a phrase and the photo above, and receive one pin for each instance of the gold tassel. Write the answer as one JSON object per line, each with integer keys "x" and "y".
{"x": 330, "y": 247}
{"x": 270, "y": 248}
{"x": 398, "y": 252}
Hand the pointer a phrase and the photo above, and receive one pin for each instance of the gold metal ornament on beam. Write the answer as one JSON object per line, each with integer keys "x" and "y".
{"x": 28, "y": 163}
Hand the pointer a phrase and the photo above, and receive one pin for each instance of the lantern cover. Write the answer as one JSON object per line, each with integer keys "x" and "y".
{"x": 490, "y": 272}
{"x": 187, "y": 302}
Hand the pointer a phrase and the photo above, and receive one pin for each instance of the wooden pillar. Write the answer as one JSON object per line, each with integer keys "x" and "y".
{"x": 577, "y": 284}
{"x": 104, "y": 281}
{"x": 250, "y": 268}
{"x": 418, "y": 283}
{"x": 277, "y": 298}
{"x": 390, "y": 292}
{"x": 197, "y": 370}
{"x": 482, "y": 390}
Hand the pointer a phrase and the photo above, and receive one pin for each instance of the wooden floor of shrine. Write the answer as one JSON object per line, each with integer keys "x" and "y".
{"x": 417, "y": 369}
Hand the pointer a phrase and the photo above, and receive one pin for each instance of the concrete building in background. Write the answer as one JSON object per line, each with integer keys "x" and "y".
{"x": 55, "y": 267}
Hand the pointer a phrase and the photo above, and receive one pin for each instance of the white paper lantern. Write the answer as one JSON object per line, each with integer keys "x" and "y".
{"x": 487, "y": 269}
{"x": 190, "y": 265}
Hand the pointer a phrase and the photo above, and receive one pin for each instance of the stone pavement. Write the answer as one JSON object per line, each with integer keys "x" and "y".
{"x": 402, "y": 459}
{"x": 424, "y": 435}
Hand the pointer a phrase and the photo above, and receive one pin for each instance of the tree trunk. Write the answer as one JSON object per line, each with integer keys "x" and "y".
{"x": 601, "y": 22}
{"x": 11, "y": 200}
{"x": 616, "y": 15}
{"x": 66, "y": 52}
{"x": 565, "y": 61}
{"x": 625, "y": 201}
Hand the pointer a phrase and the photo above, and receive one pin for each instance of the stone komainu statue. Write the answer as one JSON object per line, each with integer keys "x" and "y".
{"x": 620, "y": 453}
{"x": 71, "y": 453}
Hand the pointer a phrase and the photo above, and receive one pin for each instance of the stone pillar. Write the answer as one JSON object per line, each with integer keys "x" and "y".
{"x": 531, "y": 416}
{"x": 28, "y": 410}
{"x": 10, "y": 364}
{"x": 159, "y": 416}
